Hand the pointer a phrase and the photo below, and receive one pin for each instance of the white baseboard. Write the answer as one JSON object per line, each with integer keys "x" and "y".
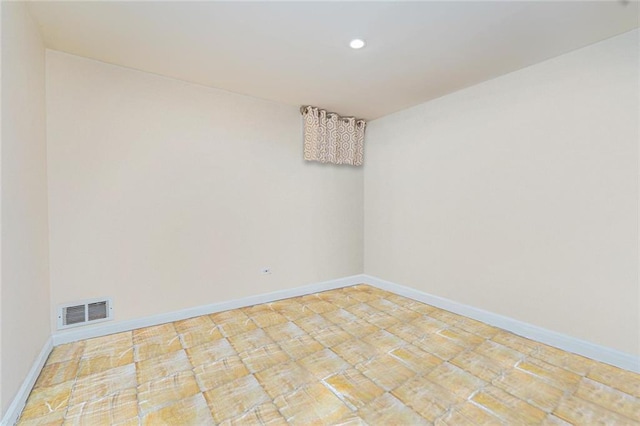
{"x": 543, "y": 335}
{"x": 15, "y": 409}
{"x": 104, "y": 329}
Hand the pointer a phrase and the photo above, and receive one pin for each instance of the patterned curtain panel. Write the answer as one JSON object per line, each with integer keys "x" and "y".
{"x": 329, "y": 138}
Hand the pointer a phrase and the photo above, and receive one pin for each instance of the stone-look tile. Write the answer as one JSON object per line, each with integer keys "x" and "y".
{"x": 387, "y": 410}
{"x": 355, "y": 351}
{"x": 576, "y": 363}
{"x": 504, "y": 356}
{"x": 166, "y": 391}
{"x": 285, "y": 331}
{"x": 162, "y": 366}
{"x": 530, "y": 389}
{"x": 54, "y": 418}
{"x": 220, "y": 372}
{"x": 210, "y": 352}
{"x": 428, "y": 399}
{"x": 263, "y": 357}
{"x": 386, "y": 371}
{"x": 47, "y": 400}
{"x": 577, "y": 411}
{"x": 331, "y": 336}
{"x": 455, "y": 380}
{"x": 110, "y": 410}
{"x": 162, "y": 341}
{"x": 52, "y": 374}
{"x": 284, "y": 378}
{"x": 609, "y": 398}
{"x": 626, "y": 381}
{"x": 483, "y": 367}
{"x": 353, "y": 356}
{"x": 265, "y": 414}
{"x": 467, "y": 414}
{"x": 513, "y": 341}
{"x": 66, "y": 352}
{"x": 416, "y": 359}
{"x": 99, "y": 385}
{"x": 311, "y": 405}
{"x": 507, "y": 407}
{"x": 313, "y": 323}
{"x": 188, "y": 411}
{"x": 323, "y": 364}
{"x": 556, "y": 376}
{"x": 250, "y": 340}
{"x": 234, "y": 398}
{"x": 300, "y": 347}
{"x": 354, "y": 388}
{"x": 461, "y": 337}
{"x": 383, "y": 341}
{"x": 439, "y": 346}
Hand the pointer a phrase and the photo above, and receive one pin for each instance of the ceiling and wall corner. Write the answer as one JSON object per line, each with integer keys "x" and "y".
{"x": 298, "y": 53}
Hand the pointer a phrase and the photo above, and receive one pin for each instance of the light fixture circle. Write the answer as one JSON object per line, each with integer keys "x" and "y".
{"x": 357, "y": 43}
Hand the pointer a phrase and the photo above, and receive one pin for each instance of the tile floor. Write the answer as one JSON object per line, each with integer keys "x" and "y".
{"x": 356, "y": 355}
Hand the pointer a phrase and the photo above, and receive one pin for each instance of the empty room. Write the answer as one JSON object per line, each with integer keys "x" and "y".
{"x": 319, "y": 213}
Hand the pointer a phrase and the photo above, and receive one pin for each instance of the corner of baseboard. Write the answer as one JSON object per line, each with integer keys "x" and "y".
{"x": 19, "y": 401}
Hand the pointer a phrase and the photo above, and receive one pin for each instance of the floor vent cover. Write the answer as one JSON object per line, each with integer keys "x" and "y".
{"x": 84, "y": 312}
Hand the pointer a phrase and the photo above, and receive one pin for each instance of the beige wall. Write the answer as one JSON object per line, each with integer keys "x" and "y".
{"x": 25, "y": 274}
{"x": 518, "y": 195}
{"x": 166, "y": 195}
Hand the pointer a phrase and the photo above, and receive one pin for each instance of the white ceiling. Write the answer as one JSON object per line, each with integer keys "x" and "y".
{"x": 297, "y": 52}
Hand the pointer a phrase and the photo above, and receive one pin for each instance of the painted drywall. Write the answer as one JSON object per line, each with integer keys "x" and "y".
{"x": 25, "y": 274}
{"x": 519, "y": 195}
{"x": 166, "y": 195}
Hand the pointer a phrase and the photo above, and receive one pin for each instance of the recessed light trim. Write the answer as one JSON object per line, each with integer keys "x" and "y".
{"x": 357, "y": 43}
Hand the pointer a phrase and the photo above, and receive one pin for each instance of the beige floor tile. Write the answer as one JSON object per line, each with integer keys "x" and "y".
{"x": 387, "y": 410}
{"x": 577, "y": 411}
{"x": 428, "y": 399}
{"x": 507, "y": 407}
{"x": 383, "y": 341}
{"x": 110, "y": 410}
{"x": 154, "y": 333}
{"x": 45, "y": 401}
{"x": 455, "y": 380}
{"x": 220, "y": 372}
{"x": 355, "y": 351}
{"x": 199, "y": 336}
{"x": 54, "y": 418}
{"x": 284, "y": 378}
{"x": 504, "y": 356}
{"x": 552, "y": 420}
{"x": 478, "y": 328}
{"x": 154, "y": 395}
{"x": 108, "y": 345}
{"x": 250, "y": 340}
{"x": 233, "y": 399}
{"x": 52, "y": 374}
{"x": 447, "y": 317}
{"x": 313, "y": 323}
{"x": 330, "y": 336}
{"x": 340, "y": 316}
{"x": 338, "y": 298}
{"x": 354, "y": 388}
{"x": 429, "y": 325}
{"x": 234, "y": 325}
{"x": 189, "y": 411}
{"x": 625, "y": 381}
{"x": 66, "y": 352}
{"x": 323, "y": 363}
{"x": 103, "y": 361}
{"x": 439, "y": 346}
{"x": 265, "y": 414}
{"x": 555, "y": 376}
{"x": 480, "y": 366}
{"x": 99, "y": 385}
{"x": 210, "y": 352}
{"x": 201, "y": 322}
{"x": 321, "y": 306}
{"x": 284, "y": 331}
{"x": 407, "y": 332}
{"x": 311, "y": 405}
{"x": 162, "y": 366}
{"x": 268, "y": 319}
{"x": 530, "y": 389}
{"x": 416, "y": 359}
{"x": 386, "y": 371}
{"x": 155, "y": 345}
{"x": 513, "y": 341}
{"x": 291, "y": 309}
{"x": 461, "y": 337}
{"x": 467, "y": 414}
{"x": 576, "y": 363}
{"x": 609, "y": 398}
{"x": 358, "y": 328}
{"x": 263, "y": 357}
{"x": 300, "y": 347}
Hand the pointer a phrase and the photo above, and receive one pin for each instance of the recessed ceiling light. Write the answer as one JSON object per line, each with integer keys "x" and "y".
{"x": 356, "y": 43}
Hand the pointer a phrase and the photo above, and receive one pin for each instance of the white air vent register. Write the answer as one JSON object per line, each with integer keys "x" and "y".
{"x": 84, "y": 312}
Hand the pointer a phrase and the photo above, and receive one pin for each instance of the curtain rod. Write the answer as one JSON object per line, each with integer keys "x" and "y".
{"x": 304, "y": 107}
